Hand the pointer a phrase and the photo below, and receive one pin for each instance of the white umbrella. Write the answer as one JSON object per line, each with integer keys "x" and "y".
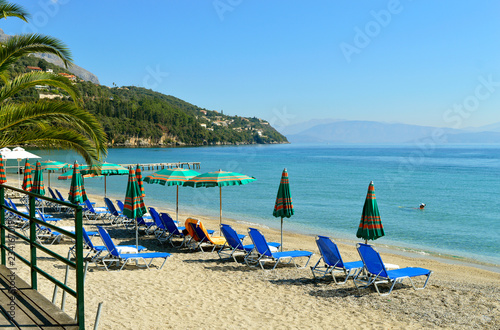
{"x": 4, "y": 151}
{"x": 19, "y": 153}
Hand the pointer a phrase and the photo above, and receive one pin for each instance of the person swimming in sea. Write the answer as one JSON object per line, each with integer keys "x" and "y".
{"x": 422, "y": 206}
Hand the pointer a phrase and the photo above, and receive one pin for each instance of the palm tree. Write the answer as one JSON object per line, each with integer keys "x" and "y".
{"x": 53, "y": 124}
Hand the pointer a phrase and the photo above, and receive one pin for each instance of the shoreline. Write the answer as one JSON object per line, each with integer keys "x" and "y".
{"x": 385, "y": 248}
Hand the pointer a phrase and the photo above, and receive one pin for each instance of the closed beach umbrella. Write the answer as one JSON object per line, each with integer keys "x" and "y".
{"x": 38, "y": 187}
{"x": 52, "y": 165}
{"x": 19, "y": 153}
{"x": 283, "y": 207}
{"x": 219, "y": 179}
{"x": 172, "y": 177}
{"x": 77, "y": 194}
{"x": 105, "y": 169}
{"x": 370, "y": 226}
{"x": 27, "y": 179}
{"x": 3, "y": 177}
{"x": 138, "y": 175}
{"x": 134, "y": 204}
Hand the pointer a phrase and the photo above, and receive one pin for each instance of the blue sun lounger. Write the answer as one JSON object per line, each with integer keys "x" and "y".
{"x": 96, "y": 250}
{"x": 116, "y": 257}
{"x": 264, "y": 251}
{"x": 171, "y": 229}
{"x": 377, "y": 273}
{"x": 234, "y": 244}
{"x": 333, "y": 263}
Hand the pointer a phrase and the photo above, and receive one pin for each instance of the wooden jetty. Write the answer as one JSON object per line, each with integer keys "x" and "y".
{"x": 24, "y": 307}
{"x": 161, "y": 166}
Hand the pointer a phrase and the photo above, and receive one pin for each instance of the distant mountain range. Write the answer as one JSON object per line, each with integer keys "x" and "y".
{"x": 75, "y": 69}
{"x": 345, "y": 131}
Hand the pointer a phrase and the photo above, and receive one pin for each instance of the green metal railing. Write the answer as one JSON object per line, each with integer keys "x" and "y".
{"x": 78, "y": 264}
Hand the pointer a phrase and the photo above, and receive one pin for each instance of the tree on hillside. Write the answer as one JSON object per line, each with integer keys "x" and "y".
{"x": 53, "y": 124}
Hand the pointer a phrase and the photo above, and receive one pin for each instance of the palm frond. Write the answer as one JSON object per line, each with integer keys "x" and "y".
{"x": 32, "y": 79}
{"x": 55, "y": 138}
{"x": 49, "y": 114}
{"x": 12, "y": 10}
{"x": 25, "y": 44}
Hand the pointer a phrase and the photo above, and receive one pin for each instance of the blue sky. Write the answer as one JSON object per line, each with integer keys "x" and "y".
{"x": 417, "y": 62}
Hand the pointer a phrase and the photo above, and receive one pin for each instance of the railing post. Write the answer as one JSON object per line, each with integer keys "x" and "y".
{"x": 80, "y": 309}
{"x": 2, "y": 223}
{"x": 32, "y": 209}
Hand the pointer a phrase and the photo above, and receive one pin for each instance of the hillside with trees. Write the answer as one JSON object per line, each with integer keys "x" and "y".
{"x": 135, "y": 116}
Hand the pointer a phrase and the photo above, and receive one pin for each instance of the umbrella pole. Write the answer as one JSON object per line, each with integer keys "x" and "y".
{"x": 105, "y": 186}
{"x": 177, "y": 206}
{"x": 136, "y": 236}
{"x": 220, "y": 209}
{"x": 18, "y": 173}
{"x": 281, "y": 246}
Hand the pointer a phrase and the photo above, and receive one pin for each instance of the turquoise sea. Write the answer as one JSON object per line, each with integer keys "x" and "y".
{"x": 329, "y": 183}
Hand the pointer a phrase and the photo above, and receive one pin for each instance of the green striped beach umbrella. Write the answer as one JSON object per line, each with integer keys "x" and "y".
{"x": 27, "y": 178}
{"x": 3, "y": 177}
{"x": 370, "y": 226}
{"x": 133, "y": 207}
{"x": 105, "y": 169}
{"x": 172, "y": 177}
{"x": 219, "y": 179}
{"x": 138, "y": 175}
{"x": 283, "y": 206}
{"x": 38, "y": 187}
{"x": 52, "y": 165}
{"x": 77, "y": 194}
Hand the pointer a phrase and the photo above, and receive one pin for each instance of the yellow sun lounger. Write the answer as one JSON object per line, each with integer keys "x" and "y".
{"x": 199, "y": 233}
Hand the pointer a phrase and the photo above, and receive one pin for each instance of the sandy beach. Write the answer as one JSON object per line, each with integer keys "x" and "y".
{"x": 196, "y": 289}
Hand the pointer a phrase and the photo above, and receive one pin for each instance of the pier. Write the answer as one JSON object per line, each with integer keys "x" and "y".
{"x": 160, "y": 166}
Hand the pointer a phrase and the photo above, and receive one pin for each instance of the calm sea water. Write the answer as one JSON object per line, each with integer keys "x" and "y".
{"x": 329, "y": 185}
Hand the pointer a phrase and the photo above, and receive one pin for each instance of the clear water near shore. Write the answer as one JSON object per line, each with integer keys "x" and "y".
{"x": 329, "y": 185}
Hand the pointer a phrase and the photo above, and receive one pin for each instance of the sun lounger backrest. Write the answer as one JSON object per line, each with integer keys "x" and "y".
{"x": 111, "y": 207}
{"x": 120, "y": 205}
{"x": 89, "y": 206}
{"x": 371, "y": 259}
{"x": 108, "y": 242}
{"x": 156, "y": 217}
{"x": 86, "y": 239}
{"x": 190, "y": 228}
{"x": 52, "y": 194}
{"x": 260, "y": 242}
{"x": 169, "y": 223}
{"x": 59, "y": 196}
{"x": 200, "y": 233}
{"x": 231, "y": 236}
{"x": 329, "y": 251}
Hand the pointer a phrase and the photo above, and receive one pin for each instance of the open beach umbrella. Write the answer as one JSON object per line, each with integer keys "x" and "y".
{"x": 19, "y": 153}
{"x": 27, "y": 178}
{"x": 138, "y": 175}
{"x": 172, "y": 177}
{"x": 3, "y": 177}
{"x": 219, "y": 179}
{"x": 370, "y": 226}
{"x": 69, "y": 174}
{"x": 38, "y": 187}
{"x": 133, "y": 207}
{"x": 77, "y": 194}
{"x": 283, "y": 206}
{"x": 52, "y": 165}
{"x": 4, "y": 151}
{"x": 105, "y": 169}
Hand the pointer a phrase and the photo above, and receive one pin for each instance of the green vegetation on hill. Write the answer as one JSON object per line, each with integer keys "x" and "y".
{"x": 135, "y": 115}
